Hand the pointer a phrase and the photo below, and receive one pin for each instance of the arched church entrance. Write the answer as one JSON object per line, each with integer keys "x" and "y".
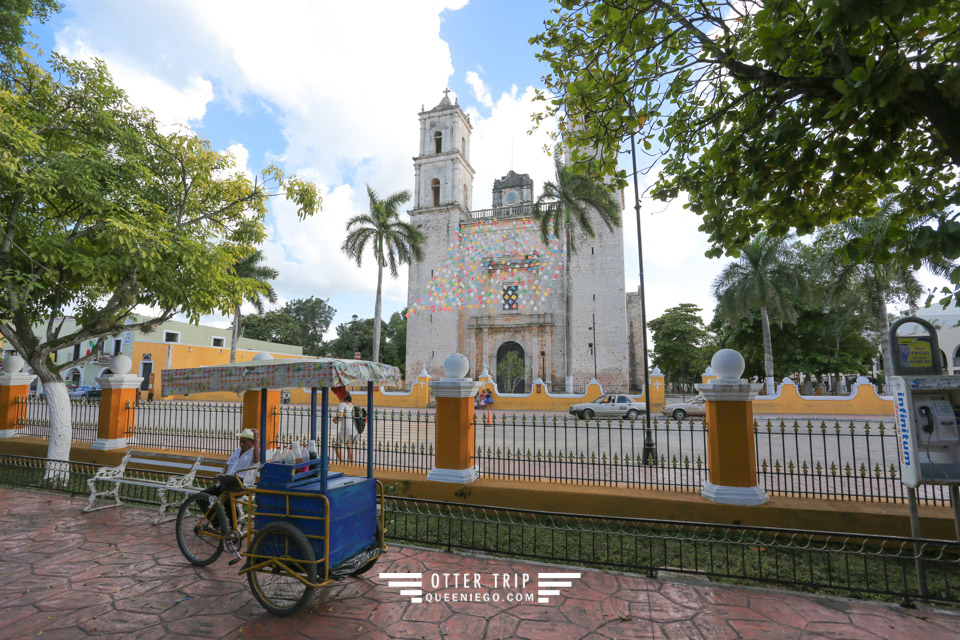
{"x": 511, "y": 368}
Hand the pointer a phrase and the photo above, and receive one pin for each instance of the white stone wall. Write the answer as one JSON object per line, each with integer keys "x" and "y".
{"x": 635, "y": 338}
{"x": 598, "y": 291}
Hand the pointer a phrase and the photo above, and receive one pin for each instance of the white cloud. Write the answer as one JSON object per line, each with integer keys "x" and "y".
{"x": 501, "y": 142}
{"x": 480, "y": 90}
{"x": 181, "y": 103}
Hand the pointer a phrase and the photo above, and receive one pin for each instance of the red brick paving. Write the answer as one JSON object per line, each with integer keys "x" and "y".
{"x": 112, "y": 574}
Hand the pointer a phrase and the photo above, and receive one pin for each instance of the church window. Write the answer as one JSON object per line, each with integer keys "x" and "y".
{"x": 463, "y": 145}
{"x": 464, "y": 195}
{"x": 591, "y": 250}
{"x": 510, "y": 298}
{"x": 435, "y": 186}
{"x": 438, "y": 141}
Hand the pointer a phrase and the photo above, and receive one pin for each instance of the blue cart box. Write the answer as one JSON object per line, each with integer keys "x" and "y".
{"x": 353, "y": 518}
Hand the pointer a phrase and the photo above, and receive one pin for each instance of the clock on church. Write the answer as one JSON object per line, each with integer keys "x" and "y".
{"x": 511, "y": 197}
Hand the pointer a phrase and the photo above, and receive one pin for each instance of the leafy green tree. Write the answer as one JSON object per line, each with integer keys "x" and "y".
{"x": 273, "y": 326}
{"x": 301, "y": 322}
{"x": 101, "y": 213}
{"x": 357, "y": 334}
{"x": 766, "y": 279}
{"x": 14, "y": 15}
{"x": 681, "y": 343}
{"x": 817, "y": 343}
{"x": 570, "y": 204}
{"x": 884, "y": 281}
{"x": 510, "y": 371}
{"x": 771, "y": 114}
{"x": 313, "y": 315}
{"x": 395, "y": 341}
{"x": 392, "y": 241}
{"x": 252, "y": 269}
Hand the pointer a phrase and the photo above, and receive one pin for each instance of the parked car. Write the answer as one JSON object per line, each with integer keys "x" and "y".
{"x": 609, "y": 406}
{"x": 680, "y": 410}
{"x": 85, "y": 391}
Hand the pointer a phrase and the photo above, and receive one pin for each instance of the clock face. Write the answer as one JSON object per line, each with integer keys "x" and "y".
{"x": 511, "y": 197}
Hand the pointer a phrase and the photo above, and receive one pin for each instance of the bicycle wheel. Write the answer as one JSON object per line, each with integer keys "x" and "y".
{"x": 288, "y": 565}
{"x": 200, "y": 529}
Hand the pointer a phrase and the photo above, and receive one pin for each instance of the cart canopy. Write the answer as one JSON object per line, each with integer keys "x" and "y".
{"x": 277, "y": 374}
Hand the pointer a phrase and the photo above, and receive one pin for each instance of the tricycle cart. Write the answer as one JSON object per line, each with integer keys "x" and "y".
{"x": 305, "y": 526}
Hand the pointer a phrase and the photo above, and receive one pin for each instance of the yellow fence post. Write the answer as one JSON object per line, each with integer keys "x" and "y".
{"x": 117, "y": 399}
{"x": 456, "y": 438}
{"x": 14, "y": 388}
{"x": 658, "y": 390}
{"x": 251, "y": 414}
{"x": 731, "y": 451}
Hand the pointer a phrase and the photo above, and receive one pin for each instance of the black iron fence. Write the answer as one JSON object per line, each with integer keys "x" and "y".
{"x": 825, "y": 562}
{"x": 849, "y": 460}
{"x": 600, "y": 452}
{"x": 403, "y": 440}
{"x": 187, "y": 425}
{"x": 34, "y": 416}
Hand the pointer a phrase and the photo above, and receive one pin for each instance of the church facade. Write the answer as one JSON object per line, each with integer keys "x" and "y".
{"x": 490, "y": 288}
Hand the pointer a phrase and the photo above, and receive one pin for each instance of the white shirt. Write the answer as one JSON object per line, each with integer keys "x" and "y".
{"x": 345, "y": 421}
{"x": 240, "y": 459}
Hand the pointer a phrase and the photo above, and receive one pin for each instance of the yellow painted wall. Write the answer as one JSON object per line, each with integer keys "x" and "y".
{"x": 540, "y": 400}
{"x": 790, "y": 402}
{"x": 184, "y": 356}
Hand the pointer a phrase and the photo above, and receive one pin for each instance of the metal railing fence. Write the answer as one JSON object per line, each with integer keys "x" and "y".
{"x": 210, "y": 427}
{"x": 33, "y": 413}
{"x": 670, "y": 456}
{"x": 403, "y": 440}
{"x": 849, "y": 460}
{"x": 841, "y": 563}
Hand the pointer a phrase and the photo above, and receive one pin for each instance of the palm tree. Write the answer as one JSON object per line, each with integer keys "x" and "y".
{"x": 884, "y": 277}
{"x": 766, "y": 277}
{"x": 252, "y": 268}
{"x": 568, "y": 204}
{"x": 393, "y": 241}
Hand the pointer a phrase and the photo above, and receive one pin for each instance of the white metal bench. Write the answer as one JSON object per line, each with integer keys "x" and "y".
{"x": 171, "y": 473}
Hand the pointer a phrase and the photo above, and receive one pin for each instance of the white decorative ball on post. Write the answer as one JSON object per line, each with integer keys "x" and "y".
{"x": 13, "y": 364}
{"x": 120, "y": 365}
{"x": 728, "y": 364}
{"x": 262, "y": 356}
{"x": 456, "y": 366}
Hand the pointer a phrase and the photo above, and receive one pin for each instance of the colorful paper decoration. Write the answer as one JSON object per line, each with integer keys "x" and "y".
{"x": 491, "y": 261}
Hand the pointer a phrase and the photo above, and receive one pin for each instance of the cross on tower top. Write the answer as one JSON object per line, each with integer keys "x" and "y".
{"x": 445, "y": 92}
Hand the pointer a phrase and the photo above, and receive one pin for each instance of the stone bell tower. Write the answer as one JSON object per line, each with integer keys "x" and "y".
{"x": 443, "y": 191}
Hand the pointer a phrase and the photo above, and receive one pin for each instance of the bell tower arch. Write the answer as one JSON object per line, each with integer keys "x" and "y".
{"x": 444, "y": 159}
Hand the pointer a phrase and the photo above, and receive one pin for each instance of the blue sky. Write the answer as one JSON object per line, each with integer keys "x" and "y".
{"x": 331, "y": 91}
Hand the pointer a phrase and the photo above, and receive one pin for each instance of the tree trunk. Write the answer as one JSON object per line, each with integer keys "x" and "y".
{"x": 236, "y": 334}
{"x": 376, "y": 315}
{"x": 568, "y": 315}
{"x": 58, "y": 411}
{"x": 767, "y": 352}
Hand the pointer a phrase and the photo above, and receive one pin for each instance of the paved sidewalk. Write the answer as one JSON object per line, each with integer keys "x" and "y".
{"x": 111, "y": 574}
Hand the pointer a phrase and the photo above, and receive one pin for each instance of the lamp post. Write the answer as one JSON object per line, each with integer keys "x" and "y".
{"x": 353, "y": 332}
{"x": 826, "y": 331}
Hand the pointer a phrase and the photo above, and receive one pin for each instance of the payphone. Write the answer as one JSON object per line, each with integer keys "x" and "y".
{"x": 927, "y": 408}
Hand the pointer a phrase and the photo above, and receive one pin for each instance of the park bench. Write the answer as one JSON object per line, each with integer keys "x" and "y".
{"x": 165, "y": 472}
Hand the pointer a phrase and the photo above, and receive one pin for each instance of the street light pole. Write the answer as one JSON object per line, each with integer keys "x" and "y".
{"x": 353, "y": 332}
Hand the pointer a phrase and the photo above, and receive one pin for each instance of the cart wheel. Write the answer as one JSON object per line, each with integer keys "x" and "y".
{"x": 200, "y": 524}
{"x": 289, "y": 560}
